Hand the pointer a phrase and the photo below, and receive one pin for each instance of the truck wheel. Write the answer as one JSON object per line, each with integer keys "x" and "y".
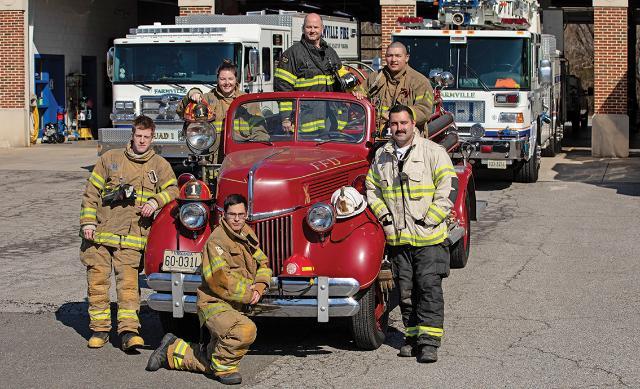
{"x": 527, "y": 172}
{"x": 459, "y": 253}
{"x": 369, "y": 325}
{"x": 187, "y": 328}
{"x": 550, "y": 150}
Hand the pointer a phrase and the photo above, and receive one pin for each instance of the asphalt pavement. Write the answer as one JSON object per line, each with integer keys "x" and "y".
{"x": 549, "y": 297}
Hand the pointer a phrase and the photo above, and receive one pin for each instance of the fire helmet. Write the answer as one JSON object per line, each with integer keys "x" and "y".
{"x": 348, "y": 202}
{"x": 199, "y": 112}
{"x": 194, "y": 190}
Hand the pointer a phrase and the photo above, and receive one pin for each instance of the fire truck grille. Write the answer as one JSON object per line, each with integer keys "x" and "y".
{"x": 161, "y": 108}
{"x": 275, "y": 240}
{"x": 466, "y": 111}
{"x": 322, "y": 188}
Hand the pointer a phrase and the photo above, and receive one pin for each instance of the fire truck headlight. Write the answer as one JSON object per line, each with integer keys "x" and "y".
{"x": 193, "y": 215}
{"x": 511, "y": 117}
{"x": 321, "y": 217}
{"x": 200, "y": 136}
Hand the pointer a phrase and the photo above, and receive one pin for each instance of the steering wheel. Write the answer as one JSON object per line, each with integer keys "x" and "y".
{"x": 506, "y": 67}
{"x": 339, "y": 135}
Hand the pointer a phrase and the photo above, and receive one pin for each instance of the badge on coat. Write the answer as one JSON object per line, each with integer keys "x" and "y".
{"x": 219, "y": 250}
{"x": 113, "y": 167}
{"x": 284, "y": 59}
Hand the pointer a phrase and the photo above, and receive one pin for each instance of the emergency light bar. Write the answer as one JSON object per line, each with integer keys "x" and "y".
{"x": 153, "y": 30}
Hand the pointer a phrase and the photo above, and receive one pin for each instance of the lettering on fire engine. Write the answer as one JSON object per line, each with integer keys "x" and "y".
{"x": 325, "y": 163}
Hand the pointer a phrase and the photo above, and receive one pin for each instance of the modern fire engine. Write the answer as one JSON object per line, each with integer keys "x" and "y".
{"x": 507, "y": 90}
{"x": 154, "y": 66}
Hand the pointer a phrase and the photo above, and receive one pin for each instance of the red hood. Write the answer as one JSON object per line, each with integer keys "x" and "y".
{"x": 287, "y": 177}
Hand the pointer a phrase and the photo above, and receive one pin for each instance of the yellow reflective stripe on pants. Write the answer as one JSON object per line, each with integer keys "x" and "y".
{"x": 106, "y": 237}
{"x": 286, "y": 76}
{"x": 417, "y": 240}
{"x": 436, "y": 214}
{"x": 217, "y": 366}
{"x": 410, "y": 331}
{"x": 212, "y": 310}
{"x": 169, "y": 183}
{"x": 100, "y": 314}
{"x": 431, "y": 331}
{"x": 179, "y": 353}
{"x": 89, "y": 213}
{"x": 96, "y": 180}
{"x": 127, "y": 314}
{"x": 130, "y": 241}
{"x": 443, "y": 171}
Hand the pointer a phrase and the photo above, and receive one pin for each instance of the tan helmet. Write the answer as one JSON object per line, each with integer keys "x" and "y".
{"x": 348, "y": 202}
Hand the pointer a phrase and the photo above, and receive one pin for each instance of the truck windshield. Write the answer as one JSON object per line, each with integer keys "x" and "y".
{"x": 318, "y": 121}
{"x": 481, "y": 63}
{"x": 189, "y": 63}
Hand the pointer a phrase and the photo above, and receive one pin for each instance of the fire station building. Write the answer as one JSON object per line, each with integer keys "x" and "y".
{"x": 53, "y": 63}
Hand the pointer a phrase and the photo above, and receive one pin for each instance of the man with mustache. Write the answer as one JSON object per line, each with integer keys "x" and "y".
{"x": 409, "y": 190}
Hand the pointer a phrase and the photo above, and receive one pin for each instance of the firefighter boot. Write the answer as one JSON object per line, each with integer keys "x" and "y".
{"x": 131, "y": 340}
{"x": 409, "y": 348}
{"x": 428, "y": 354}
{"x": 229, "y": 378}
{"x": 98, "y": 339}
{"x": 158, "y": 358}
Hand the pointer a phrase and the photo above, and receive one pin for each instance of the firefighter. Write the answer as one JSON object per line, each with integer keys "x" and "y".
{"x": 408, "y": 189}
{"x": 398, "y": 83}
{"x": 309, "y": 65}
{"x": 235, "y": 274}
{"x": 219, "y": 99}
{"x": 124, "y": 190}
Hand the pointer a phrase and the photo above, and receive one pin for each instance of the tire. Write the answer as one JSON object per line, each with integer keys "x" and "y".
{"x": 459, "y": 253}
{"x": 527, "y": 171}
{"x": 187, "y": 328}
{"x": 368, "y": 331}
{"x": 558, "y": 143}
{"x": 550, "y": 150}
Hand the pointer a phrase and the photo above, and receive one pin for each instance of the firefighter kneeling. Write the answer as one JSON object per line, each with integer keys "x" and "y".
{"x": 235, "y": 274}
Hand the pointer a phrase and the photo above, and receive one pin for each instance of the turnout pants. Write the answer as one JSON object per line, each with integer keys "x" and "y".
{"x": 232, "y": 333}
{"x": 418, "y": 274}
{"x": 99, "y": 260}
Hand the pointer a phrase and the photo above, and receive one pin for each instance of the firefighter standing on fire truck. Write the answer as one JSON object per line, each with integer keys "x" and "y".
{"x": 309, "y": 65}
{"x": 409, "y": 186}
{"x": 398, "y": 83}
{"x": 235, "y": 274}
{"x": 124, "y": 190}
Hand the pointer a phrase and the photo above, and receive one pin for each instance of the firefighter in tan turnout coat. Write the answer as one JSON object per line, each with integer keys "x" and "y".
{"x": 235, "y": 275}
{"x": 124, "y": 189}
{"x": 409, "y": 189}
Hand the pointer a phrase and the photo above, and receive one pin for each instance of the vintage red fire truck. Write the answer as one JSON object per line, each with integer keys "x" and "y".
{"x": 323, "y": 266}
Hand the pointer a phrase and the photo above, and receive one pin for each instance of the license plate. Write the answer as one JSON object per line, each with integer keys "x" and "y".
{"x": 493, "y": 164}
{"x": 181, "y": 261}
{"x": 164, "y": 135}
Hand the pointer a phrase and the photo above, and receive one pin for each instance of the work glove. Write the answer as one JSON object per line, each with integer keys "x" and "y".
{"x": 385, "y": 277}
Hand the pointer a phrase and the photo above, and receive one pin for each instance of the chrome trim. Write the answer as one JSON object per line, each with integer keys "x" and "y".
{"x": 177, "y": 294}
{"x": 279, "y": 212}
{"x": 269, "y": 307}
{"x": 250, "y": 182}
{"x": 517, "y": 147}
{"x": 323, "y": 299}
{"x": 290, "y": 287}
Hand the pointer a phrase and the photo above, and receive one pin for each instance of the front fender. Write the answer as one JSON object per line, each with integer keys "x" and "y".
{"x": 167, "y": 234}
{"x": 353, "y": 249}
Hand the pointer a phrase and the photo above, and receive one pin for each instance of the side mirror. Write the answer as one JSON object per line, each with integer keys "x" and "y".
{"x": 253, "y": 64}
{"x": 110, "y": 63}
{"x": 544, "y": 72}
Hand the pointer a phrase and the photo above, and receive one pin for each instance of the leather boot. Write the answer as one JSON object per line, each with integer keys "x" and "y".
{"x": 131, "y": 340}
{"x": 427, "y": 354}
{"x": 408, "y": 349}
{"x": 158, "y": 358}
{"x": 229, "y": 379}
{"x": 98, "y": 339}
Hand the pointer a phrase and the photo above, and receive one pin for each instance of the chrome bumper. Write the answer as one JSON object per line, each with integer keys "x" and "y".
{"x": 505, "y": 148}
{"x": 320, "y": 297}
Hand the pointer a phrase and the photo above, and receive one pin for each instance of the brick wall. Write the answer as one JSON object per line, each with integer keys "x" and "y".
{"x": 12, "y": 64}
{"x": 390, "y": 15}
{"x": 190, "y": 10}
{"x": 610, "y": 60}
